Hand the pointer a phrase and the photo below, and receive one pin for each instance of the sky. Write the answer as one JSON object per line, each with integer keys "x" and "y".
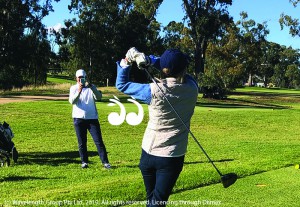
{"x": 171, "y": 10}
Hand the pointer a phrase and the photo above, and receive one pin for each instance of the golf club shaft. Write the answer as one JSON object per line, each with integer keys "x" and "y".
{"x": 195, "y": 139}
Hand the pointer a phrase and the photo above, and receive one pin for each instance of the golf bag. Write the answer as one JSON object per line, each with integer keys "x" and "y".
{"x": 8, "y": 150}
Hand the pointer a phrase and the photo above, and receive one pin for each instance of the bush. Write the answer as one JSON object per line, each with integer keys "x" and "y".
{"x": 212, "y": 87}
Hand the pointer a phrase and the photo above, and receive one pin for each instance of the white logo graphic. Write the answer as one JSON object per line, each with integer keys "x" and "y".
{"x": 131, "y": 118}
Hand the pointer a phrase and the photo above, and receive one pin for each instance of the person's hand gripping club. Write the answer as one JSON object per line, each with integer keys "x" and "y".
{"x": 133, "y": 55}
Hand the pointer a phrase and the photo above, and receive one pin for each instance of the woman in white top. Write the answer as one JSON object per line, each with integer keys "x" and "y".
{"x": 85, "y": 117}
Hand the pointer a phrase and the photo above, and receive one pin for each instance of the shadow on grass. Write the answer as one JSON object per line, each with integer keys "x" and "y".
{"x": 239, "y": 103}
{"x": 185, "y": 163}
{"x": 254, "y": 99}
{"x": 201, "y": 162}
{"x": 20, "y": 178}
{"x": 122, "y": 98}
{"x": 51, "y": 158}
{"x": 295, "y": 94}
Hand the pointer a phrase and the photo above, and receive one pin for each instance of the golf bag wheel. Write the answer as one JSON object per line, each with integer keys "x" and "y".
{"x": 14, "y": 154}
{"x": 4, "y": 159}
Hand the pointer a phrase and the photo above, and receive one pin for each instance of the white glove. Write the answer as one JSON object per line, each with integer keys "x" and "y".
{"x": 131, "y": 55}
{"x": 142, "y": 61}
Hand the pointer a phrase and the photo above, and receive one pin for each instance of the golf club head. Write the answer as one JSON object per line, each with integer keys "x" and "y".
{"x": 228, "y": 179}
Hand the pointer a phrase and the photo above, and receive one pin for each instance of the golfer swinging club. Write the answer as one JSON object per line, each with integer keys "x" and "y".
{"x": 165, "y": 139}
{"x": 85, "y": 116}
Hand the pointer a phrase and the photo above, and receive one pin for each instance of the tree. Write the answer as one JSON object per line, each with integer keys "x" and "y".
{"x": 292, "y": 75}
{"x": 253, "y": 39}
{"x": 269, "y": 59}
{"x": 11, "y": 24}
{"x": 105, "y": 30}
{"x": 224, "y": 70}
{"x": 292, "y": 23}
{"x": 285, "y": 74}
{"x": 295, "y": 2}
{"x": 177, "y": 35}
{"x": 23, "y": 53}
{"x": 206, "y": 19}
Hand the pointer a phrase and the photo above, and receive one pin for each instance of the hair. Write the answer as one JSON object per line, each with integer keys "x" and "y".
{"x": 179, "y": 76}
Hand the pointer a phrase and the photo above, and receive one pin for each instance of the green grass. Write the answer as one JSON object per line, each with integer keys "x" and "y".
{"x": 254, "y": 134}
{"x": 273, "y": 188}
{"x": 59, "y": 79}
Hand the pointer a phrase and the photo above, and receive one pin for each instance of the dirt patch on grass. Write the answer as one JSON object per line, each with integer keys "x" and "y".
{"x": 11, "y": 99}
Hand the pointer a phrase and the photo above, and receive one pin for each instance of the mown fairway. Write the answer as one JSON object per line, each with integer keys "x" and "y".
{"x": 254, "y": 134}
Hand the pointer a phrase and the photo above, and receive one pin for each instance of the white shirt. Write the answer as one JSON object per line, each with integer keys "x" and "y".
{"x": 84, "y": 106}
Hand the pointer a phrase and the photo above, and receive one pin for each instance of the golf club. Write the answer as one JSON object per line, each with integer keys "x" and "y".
{"x": 226, "y": 179}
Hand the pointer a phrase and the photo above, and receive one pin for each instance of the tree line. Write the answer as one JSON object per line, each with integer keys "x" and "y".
{"x": 224, "y": 54}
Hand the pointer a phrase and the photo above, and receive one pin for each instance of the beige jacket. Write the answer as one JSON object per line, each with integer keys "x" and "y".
{"x": 165, "y": 135}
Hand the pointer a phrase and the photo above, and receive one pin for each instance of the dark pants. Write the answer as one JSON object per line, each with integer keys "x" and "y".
{"x": 160, "y": 175}
{"x": 93, "y": 126}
